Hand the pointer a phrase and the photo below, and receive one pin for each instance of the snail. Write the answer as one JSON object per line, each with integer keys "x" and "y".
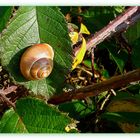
{"x": 37, "y": 62}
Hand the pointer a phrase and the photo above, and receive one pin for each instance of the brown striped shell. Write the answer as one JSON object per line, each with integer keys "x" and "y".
{"x": 37, "y": 62}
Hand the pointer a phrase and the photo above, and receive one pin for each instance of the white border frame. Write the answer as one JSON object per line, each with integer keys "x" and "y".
{"x": 71, "y": 2}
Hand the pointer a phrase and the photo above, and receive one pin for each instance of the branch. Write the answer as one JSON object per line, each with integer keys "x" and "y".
{"x": 95, "y": 89}
{"x": 119, "y": 24}
{"x": 3, "y": 94}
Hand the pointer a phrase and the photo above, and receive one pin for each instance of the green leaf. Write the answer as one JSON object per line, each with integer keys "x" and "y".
{"x": 119, "y": 58}
{"x": 131, "y": 117}
{"x": 76, "y": 109}
{"x": 11, "y": 123}
{"x": 135, "y": 57}
{"x": 133, "y": 33}
{"x": 131, "y": 96}
{"x": 95, "y": 18}
{"x": 134, "y": 88}
{"x": 65, "y": 9}
{"x": 105, "y": 73}
{"x": 87, "y": 62}
{"x": 5, "y": 13}
{"x": 33, "y": 25}
{"x": 33, "y": 116}
{"x": 121, "y": 95}
{"x": 119, "y": 9}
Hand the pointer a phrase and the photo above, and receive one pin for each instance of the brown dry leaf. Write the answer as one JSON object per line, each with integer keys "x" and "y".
{"x": 126, "y": 105}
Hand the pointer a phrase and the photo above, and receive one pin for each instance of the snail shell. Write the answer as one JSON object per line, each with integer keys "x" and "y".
{"x": 37, "y": 62}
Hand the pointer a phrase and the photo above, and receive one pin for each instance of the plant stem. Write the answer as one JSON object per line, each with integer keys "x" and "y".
{"x": 118, "y": 25}
{"x": 92, "y": 64}
{"x": 96, "y": 89}
{"x": 3, "y": 94}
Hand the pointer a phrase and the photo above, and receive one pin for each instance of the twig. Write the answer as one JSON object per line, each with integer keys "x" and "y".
{"x": 95, "y": 89}
{"x": 105, "y": 100}
{"x": 92, "y": 64}
{"x": 86, "y": 71}
{"x": 9, "y": 89}
{"x": 111, "y": 91}
{"x": 119, "y": 24}
{"x": 3, "y": 94}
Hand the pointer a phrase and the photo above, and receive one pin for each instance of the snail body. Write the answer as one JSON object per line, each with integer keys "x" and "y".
{"x": 37, "y": 62}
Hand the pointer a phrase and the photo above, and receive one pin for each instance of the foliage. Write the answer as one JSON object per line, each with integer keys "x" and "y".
{"x": 22, "y": 27}
{"x": 33, "y": 116}
{"x": 33, "y": 25}
{"x": 4, "y": 16}
{"x": 76, "y": 109}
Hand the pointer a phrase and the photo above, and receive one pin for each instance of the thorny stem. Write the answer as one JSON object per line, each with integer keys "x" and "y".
{"x": 97, "y": 88}
{"x": 118, "y": 25}
{"x": 7, "y": 100}
{"x": 3, "y": 94}
{"x": 92, "y": 64}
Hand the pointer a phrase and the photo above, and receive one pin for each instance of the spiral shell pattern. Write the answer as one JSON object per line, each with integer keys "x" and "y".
{"x": 37, "y": 62}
